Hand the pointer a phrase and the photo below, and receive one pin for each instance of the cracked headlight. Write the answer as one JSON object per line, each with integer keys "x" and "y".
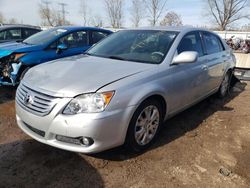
{"x": 89, "y": 103}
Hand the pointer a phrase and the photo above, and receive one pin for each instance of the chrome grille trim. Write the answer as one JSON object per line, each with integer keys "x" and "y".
{"x": 41, "y": 103}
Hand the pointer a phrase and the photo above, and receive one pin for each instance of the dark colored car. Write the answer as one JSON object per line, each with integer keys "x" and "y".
{"x": 17, "y": 32}
{"x": 17, "y": 57}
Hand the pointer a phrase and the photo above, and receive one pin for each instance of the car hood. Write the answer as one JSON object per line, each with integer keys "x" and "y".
{"x": 80, "y": 74}
{"x": 16, "y": 47}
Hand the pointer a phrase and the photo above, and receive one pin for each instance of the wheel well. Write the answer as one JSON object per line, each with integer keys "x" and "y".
{"x": 233, "y": 78}
{"x": 162, "y": 101}
{"x": 230, "y": 70}
{"x": 22, "y": 68}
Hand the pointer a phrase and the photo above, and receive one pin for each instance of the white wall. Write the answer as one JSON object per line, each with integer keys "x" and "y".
{"x": 237, "y": 34}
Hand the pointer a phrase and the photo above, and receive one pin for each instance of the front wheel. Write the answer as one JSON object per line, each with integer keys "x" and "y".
{"x": 225, "y": 85}
{"x": 23, "y": 73}
{"x": 144, "y": 126}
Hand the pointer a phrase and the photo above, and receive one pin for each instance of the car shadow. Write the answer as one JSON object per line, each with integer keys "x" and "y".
{"x": 181, "y": 124}
{"x": 7, "y": 93}
{"x": 31, "y": 164}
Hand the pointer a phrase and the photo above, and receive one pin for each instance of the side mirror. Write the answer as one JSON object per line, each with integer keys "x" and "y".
{"x": 185, "y": 57}
{"x": 61, "y": 47}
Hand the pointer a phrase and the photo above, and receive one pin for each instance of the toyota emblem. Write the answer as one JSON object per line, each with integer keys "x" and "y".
{"x": 28, "y": 99}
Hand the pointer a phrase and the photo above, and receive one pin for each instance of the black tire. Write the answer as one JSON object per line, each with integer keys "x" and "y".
{"x": 224, "y": 87}
{"x": 131, "y": 142}
{"x": 23, "y": 73}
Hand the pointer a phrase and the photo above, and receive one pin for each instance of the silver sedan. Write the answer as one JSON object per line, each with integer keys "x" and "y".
{"x": 123, "y": 89}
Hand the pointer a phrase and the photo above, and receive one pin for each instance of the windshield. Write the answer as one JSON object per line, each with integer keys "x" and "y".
{"x": 146, "y": 46}
{"x": 44, "y": 36}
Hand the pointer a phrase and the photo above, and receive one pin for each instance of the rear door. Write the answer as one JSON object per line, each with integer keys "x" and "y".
{"x": 216, "y": 58}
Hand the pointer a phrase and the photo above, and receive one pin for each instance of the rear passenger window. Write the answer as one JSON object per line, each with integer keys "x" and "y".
{"x": 212, "y": 43}
{"x": 97, "y": 36}
{"x": 191, "y": 42}
{"x": 13, "y": 34}
{"x": 28, "y": 32}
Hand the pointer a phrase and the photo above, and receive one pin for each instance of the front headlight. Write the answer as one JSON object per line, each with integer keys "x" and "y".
{"x": 16, "y": 57}
{"x": 89, "y": 103}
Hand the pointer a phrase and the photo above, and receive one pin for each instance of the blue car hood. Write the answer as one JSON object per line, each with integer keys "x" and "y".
{"x": 14, "y": 47}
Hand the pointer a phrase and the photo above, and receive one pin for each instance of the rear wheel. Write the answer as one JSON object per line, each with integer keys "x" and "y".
{"x": 225, "y": 85}
{"x": 144, "y": 126}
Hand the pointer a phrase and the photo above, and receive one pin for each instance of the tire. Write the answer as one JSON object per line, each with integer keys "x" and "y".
{"x": 23, "y": 73}
{"x": 225, "y": 85}
{"x": 142, "y": 131}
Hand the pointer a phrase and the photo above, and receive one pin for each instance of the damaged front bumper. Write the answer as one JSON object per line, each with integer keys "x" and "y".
{"x": 242, "y": 73}
{"x": 9, "y": 75}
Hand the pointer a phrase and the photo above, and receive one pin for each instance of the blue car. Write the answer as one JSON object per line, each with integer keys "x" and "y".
{"x": 17, "y": 57}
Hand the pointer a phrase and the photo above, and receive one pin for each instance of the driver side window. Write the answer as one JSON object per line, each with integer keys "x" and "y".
{"x": 72, "y": 40}
{"x": 191, "y": 42}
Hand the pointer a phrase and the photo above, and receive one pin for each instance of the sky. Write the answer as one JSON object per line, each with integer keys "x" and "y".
{"x": 26, "y": 11}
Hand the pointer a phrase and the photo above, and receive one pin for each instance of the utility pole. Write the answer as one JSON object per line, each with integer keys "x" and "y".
{"x": 46, "y": 4}
{"x": 64, "y": 12}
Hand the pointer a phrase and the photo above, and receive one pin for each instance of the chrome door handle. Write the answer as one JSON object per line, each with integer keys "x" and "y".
{"x": 204, "y": 67}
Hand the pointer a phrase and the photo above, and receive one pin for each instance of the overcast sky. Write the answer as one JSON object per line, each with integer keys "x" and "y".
{"x": 26, "y": 11}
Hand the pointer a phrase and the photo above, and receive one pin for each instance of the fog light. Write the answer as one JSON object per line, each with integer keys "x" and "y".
{"x": 86, "y": 141}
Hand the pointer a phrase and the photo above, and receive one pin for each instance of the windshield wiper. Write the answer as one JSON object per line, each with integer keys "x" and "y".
{"x": 117, "y": 57}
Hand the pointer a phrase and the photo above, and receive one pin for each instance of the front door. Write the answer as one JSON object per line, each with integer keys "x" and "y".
{"x": 188, "y": 79}
{"x": 76, "y": 43}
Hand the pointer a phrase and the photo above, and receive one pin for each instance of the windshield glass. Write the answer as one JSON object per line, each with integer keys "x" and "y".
{"x": 44, "y": 36}
{"x": 146, "y": 46}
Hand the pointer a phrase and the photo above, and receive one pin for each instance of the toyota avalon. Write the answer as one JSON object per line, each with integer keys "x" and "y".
{"x": 122, "y": 89}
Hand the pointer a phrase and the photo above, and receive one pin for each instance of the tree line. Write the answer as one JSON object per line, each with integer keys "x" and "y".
{"x": 223, "y": 14}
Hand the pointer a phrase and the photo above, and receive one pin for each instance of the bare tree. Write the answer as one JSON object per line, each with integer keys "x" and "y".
{"x": 12, "y": 21}
{"x": 97, "y": 21}
{"x": 84, "y": 12}
{"x": 1, "y": 18}
{"x": 47, "y": 15}
{"x": 137, "y": 12}
{"x": 226, "y": 12}
{"x": 50, "y": 16}
{"x": 114, "y": 10}
{"x": 172, "y": 19}
{"x": 155, "y": 8}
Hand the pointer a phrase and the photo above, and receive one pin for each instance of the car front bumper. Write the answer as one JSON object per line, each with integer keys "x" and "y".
{"x": 107, "y": 129}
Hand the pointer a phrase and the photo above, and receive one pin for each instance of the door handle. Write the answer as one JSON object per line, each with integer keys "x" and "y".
{"x": 204, "y": 67}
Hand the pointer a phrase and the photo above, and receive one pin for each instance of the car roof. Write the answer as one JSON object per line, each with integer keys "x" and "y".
{"x": 2, "y": 27}
{"x": 170, "y": 28}
{"x": 74, "y": 28}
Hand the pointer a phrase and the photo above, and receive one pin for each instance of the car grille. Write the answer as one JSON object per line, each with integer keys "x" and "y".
{"x": 35, "y": 102}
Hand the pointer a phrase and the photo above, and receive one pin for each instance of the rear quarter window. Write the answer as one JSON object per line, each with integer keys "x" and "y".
{"x": 212, "y": 43}
{"x": 28, "y": 32}
{"x": 97, "y": 36}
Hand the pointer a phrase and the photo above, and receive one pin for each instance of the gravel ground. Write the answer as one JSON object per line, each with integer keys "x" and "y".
{"x": 205, "y": 146}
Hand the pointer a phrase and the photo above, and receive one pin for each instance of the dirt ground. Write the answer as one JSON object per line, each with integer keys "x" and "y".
{"x": 205, "y": 146}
